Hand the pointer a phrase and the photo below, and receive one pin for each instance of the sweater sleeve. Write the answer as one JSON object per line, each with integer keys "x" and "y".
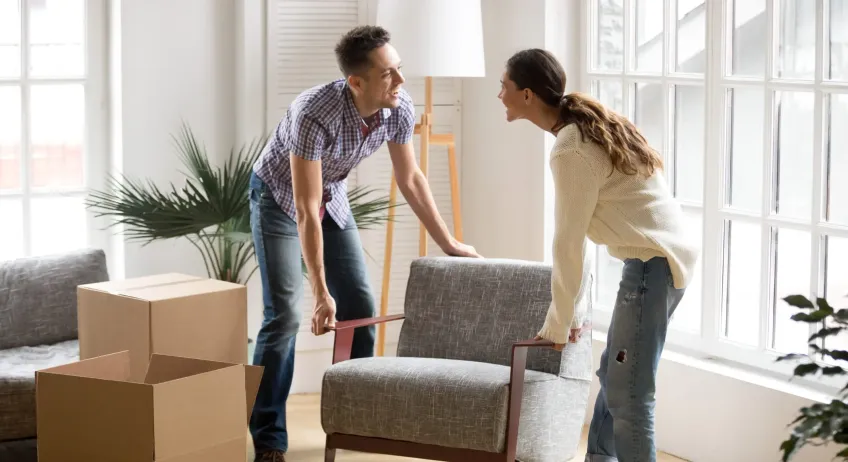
{"x": 576, "y": 188}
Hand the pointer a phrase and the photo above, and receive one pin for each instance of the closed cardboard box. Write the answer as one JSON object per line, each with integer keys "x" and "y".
{"x": 172, "y": 314}
{"x": 185, "y": 410}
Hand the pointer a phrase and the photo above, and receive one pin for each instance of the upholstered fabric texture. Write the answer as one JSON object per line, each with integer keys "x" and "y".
{"x": 17, "y": 384}
{"x": 474, "y": 310}
{"x": 449, "y": 384}
{"x": 38, "y": 296}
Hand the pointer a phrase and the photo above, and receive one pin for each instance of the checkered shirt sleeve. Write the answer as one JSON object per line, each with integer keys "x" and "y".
{"x": 309, "y": 139}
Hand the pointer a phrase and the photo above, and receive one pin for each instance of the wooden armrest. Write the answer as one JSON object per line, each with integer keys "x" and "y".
{"x": 344, "y": 334}
{"x": 516, "y": 389}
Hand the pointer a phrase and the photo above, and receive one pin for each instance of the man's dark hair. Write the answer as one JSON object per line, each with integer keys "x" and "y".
{"x": 354, "y": 46}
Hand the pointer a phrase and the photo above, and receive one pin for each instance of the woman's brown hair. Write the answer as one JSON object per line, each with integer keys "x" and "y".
{"x": 539, "y": 71}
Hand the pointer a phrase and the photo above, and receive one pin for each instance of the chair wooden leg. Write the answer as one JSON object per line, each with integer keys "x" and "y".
{"x": 329, "y": 455}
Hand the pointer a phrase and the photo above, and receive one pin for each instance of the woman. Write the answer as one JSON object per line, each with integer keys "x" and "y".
{"x": 609, "y": 188}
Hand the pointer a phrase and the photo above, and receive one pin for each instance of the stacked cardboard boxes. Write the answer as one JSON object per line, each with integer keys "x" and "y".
{"x": 161, "y": 376}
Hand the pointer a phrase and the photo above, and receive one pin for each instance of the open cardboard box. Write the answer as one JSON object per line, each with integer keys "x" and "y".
{"x": 184, "y": 410}
{"x": 172, "y": 314}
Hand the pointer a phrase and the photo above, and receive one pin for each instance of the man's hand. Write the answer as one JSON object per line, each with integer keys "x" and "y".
{"x": 324, "y": 314}
{"x": 459, "y": 249}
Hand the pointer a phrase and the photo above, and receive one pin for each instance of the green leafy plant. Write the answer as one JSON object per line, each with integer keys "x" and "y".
{"x": 211, "y": 210}
{"x": 819, "y": 424}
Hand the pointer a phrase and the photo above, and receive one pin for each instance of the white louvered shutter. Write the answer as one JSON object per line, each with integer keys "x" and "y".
{"x": 301, "y": 38}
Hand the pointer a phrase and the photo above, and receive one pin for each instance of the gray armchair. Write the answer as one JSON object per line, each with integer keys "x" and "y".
{"x": 468, "y": 382}
{"x": 38, "y": 329}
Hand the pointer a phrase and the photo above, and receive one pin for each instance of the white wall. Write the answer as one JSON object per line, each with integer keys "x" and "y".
{"x": 176, "y": 62}
{"x": 500, "y": 158}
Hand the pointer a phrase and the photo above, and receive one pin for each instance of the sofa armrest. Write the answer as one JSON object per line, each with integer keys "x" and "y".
{"x": 516, "y": 389}
{"x": 344, "y": 334}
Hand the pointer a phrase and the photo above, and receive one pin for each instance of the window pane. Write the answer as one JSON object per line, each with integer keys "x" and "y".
{"x": 688, "y": 314}
{"x": 838, "y": 34}
{"x": 648, "y": 19}
{"x": 836, "y": 282}
{"x": 609, "y": 44}
{"x": 837, "y": 160}
{"x": 610, "y": 94}
{"x": 794, "y": 151}
{"x": 792, "y": 276}
{"x": 58, "y": 225}
{"x": 57, "y": 35}
{"x": 742, "y": 282}
{"x": 57, "y": 134}
{"x": 797, "y": 39}
{"x": 749, "y": 37}
{"x": 10, "y": 138}
{"x": 649, "y": 114}
{"x": 691, "y": 36}
{"x": 608, "y": 278}
{"x": 689, "y": 143}
{"x": 12, "y": 244}
{"x": 10, "y": 38}
{"x": 745, "y": 160}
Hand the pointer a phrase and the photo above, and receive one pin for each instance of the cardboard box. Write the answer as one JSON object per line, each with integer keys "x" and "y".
{"x": 185, "y": 410}
{"x": 172, "y": 314}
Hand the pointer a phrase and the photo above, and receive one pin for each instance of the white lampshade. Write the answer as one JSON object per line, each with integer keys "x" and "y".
{"x": 435, "y": 38}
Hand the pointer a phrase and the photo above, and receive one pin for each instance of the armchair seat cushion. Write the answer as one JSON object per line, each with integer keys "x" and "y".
{"x": 17, "y": 384}
{"x": 445, "y": 402}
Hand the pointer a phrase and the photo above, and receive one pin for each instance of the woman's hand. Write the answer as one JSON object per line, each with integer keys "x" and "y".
{"x": 574, "y": 336}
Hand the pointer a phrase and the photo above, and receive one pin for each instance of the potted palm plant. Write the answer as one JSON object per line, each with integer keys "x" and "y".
{"x": 211, "y": 210}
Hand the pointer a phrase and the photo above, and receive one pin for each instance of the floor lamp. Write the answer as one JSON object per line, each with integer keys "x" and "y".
{"x": 435, "y": 38}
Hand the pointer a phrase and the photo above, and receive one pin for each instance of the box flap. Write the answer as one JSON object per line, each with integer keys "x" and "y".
{"x": 121, "y": 285}
{"x": 164, "y": 368}
{"x": 92, "y": 419}
{"x": 183, "y": 289}
{"x": 115, "y": 366}
{"x": 196, "y": 412}
{"x": 252, "y": 379}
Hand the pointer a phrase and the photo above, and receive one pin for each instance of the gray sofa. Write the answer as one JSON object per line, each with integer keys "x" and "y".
{"x": 38, "y": 329}
{"x": 468, "y": 382}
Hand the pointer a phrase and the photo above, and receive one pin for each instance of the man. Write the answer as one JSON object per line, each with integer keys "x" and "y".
{"x": 299, "y": 206}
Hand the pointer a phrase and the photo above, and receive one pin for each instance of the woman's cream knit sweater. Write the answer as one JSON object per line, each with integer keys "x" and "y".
{"x": 634, "y": 216}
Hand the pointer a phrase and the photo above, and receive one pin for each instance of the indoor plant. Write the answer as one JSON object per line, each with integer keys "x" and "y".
{"x": 819, "y": 424}
{"x": 211, "y": 210}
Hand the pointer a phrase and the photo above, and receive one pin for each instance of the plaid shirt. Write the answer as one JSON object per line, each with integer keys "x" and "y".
{"x": 323, "y": 123}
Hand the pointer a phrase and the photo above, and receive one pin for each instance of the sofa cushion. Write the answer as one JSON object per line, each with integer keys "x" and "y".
{"x": 38, "y": 296}
{"x": 17, "y": 384}
{"x": 451, "y": 403}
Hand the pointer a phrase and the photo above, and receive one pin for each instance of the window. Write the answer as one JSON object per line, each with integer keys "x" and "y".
{"x": 745, "y": 100}
{"x": 51, "y": 124}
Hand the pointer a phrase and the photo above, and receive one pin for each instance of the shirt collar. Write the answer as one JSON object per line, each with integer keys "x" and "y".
{"x": 351, "y": 115}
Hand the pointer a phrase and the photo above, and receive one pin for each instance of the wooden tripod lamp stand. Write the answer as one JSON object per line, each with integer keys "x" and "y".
{"x": 435, "y": 38}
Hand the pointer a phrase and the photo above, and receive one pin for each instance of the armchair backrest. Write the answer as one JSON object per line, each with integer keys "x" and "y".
{"x": 475, "y": 309}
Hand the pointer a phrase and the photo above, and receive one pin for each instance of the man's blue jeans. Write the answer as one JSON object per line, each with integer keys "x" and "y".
{"x": 622, "y": 427}
{"x": 278, "y": 253}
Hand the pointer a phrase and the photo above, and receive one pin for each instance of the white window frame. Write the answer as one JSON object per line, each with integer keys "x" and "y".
{"x": 708, "y": 343}
{"x": 95, "y": 157}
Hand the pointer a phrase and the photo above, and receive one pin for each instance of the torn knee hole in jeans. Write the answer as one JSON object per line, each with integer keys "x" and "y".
{"x": 621, "y": 357}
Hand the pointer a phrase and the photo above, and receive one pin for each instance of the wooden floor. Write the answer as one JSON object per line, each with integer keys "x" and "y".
{"x": 306, "y": 438}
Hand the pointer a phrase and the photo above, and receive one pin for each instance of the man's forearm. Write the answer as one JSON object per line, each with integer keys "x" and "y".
{"x": 417, "y": 193}
{"x": 312, "y": 246}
